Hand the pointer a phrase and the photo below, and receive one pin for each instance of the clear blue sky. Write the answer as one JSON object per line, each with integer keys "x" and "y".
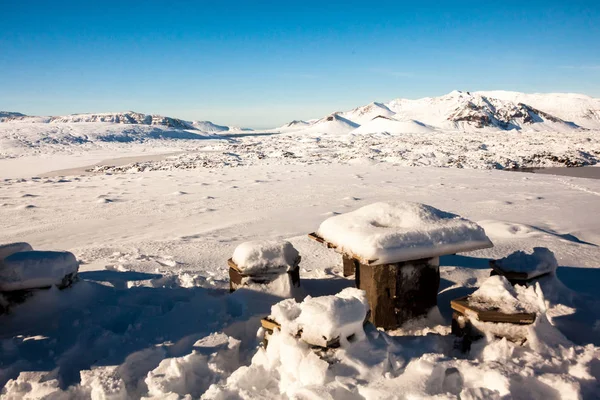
{"x": 262, "y": 63}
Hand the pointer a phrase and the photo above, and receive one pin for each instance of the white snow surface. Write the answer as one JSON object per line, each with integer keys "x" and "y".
{"x": 391, "y": 232}
{"x": 153, "y": 236}
{"x": 325, "y": 318}
{"x": 391, "y": 126}
{"x": 496, "y": 293}
{"x": 35, "y": 269}
{"x": 540, "y": 261}
{"x": 265, "y": 255}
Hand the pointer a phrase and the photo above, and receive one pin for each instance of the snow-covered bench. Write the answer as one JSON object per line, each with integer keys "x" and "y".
{"x": 394, "y": 250}
{"x": 523, "y": 268}
{"x": 262, "y": 262}
{"x": 496, "y": 309}
{"x": 23, "y": 270}
{"x": 322, "y": 322}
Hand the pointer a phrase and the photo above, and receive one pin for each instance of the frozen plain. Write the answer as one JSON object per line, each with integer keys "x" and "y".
{"x": 152, "y": 316}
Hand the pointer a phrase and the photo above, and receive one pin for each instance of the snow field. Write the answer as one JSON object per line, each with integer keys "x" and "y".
{"x": 154, "y": 282}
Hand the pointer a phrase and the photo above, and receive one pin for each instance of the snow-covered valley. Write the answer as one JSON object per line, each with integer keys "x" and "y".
{"x": 152, "y": 315}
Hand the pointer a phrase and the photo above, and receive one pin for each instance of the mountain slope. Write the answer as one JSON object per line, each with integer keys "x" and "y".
{"x": 366, "y": 113}
{"x": 392, "y": 126}
{"x": 333, "y": 124}
{"x": 467, "y": 111}
{"x": 209, "y": 127}
{"x": 463, "y": 112}
{"x": 578, "y": 108}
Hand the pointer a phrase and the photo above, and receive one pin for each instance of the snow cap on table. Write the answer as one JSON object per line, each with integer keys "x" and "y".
{"x": 324, "y": 317}
{"x": 401, "y": 231}
{"x": 263, "y": 255}
{"x": 541, "y": 261}
{"x": 36, "y": 269}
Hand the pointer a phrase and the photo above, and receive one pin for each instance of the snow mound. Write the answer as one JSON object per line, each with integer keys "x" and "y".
{"x": 213, "y": 358}
{"x": 391, "y": 126}
{"x": 508, "y": 230}
{"x": 325, "y": 318}
{"x": 541, "y": 261}
{"x": 12, "y": 248}
{"x": 400, "y": 231}
{"x": 264, "y": 256}
{"x": 36, "y": 269}
{"x": 496, "y": 293}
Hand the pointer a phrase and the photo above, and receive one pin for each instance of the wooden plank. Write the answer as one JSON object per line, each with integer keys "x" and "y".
{"x": 330, "y": 245}
{"x": 463, "y": 306}
{"x": 234, "y": 265}
{"x": 349, "y": 265}
{"x": 269, "y": 324}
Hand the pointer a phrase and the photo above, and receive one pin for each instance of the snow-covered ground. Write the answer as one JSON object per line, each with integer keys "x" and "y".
{"x": 154, "y": 247}
{"x": 152, "y": 315}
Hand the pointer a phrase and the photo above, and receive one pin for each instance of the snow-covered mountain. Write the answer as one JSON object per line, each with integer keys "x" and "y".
{"x": 467, "y": 111}
{"x": 578, "y": 108}
{"x": 127, "y": 118}
{"x": 10, "y": 115}
{"x": 456, "y": 111}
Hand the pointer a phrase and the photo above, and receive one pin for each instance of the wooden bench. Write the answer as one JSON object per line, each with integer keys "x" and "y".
{"x": 237, "y": 278}
{"x": 466, "y": 316}
{"x": 523, "y": 278}
{"x": 270, "y": 326}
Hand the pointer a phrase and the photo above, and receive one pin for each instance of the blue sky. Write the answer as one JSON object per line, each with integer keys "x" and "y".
{"x": 263, "y": 63}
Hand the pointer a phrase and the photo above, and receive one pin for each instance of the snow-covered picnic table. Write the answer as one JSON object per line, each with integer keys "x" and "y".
{"x": 385, "y": 233}
{"x": 393, "y": 250}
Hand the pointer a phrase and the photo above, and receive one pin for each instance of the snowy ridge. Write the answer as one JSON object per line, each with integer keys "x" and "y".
{"x": 9, "y": 115}
{"x": 469, "y": 112}
{"x": 578, "y": 108}
{"x": 333, "y": 124}
{"x": 366, "y": 113}
{"x": 126, "y": 118}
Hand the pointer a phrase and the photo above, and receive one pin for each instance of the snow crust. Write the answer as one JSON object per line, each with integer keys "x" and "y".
{"x": 35, "y": 269}
{"x": 265, "y": 256}
{"x": 325, "y": 318}
{"x": 540, "y": 261}
{"x": 401, "y": 231}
